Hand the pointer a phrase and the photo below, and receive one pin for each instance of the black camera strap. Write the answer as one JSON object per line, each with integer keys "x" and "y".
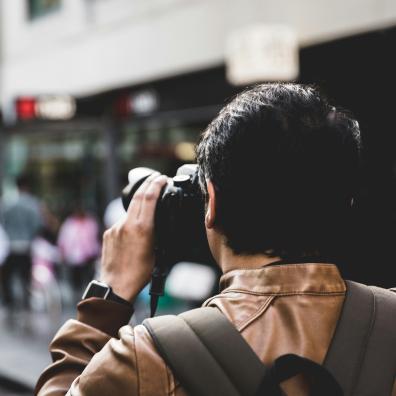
{"x": 157, "y": 287}
{"x": 158, "y": 278}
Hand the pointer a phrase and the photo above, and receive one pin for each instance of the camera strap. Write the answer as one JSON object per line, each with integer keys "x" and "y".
{"x": 157, "y": 287}
{"x": 158, "y": 279}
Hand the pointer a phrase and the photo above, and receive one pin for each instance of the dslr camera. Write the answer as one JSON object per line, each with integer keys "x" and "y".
{"x": 179, "y": 223}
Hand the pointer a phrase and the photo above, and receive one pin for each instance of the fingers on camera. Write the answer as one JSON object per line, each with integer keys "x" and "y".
{"x": 135, "y": 205}
{"x": 150, "y": 198}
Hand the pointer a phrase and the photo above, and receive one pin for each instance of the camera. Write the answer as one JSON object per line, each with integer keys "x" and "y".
{"x": 179, "y": 221}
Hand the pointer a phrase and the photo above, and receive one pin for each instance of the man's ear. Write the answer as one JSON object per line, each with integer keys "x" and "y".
{"x": 211, "y": 206}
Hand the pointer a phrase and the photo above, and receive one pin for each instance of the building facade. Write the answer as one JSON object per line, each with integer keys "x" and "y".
{"x": 84, "y": 47}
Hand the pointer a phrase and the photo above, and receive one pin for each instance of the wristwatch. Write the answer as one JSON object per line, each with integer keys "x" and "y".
{"x": 101, "y": 290}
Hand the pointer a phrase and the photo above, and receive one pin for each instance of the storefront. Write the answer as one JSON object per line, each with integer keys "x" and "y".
{"x": 358, "y": 73}
{"x": 87, "y": 158}
{"x": 161, "y": 122}
{"x": 64, "y": 161}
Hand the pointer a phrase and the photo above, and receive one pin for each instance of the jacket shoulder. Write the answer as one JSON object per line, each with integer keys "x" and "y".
{"x": 155, "y": 377}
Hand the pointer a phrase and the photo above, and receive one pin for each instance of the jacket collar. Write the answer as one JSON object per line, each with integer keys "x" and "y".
{"x": 305, "y": 278}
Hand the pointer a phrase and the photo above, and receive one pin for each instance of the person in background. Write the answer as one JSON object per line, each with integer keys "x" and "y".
{"x": 4, "y": 245}
{"x": 4, "y": 248}
{"x": 45, "y": 251}
{"x": 79, "y": 247}
{"x": 22, "y": 219}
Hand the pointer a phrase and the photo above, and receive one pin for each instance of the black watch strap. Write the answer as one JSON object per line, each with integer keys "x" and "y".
{"x": 102, "y": 290}
{"x": 114, "y": 297}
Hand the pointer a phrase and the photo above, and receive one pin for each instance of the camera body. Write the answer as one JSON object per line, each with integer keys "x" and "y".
{"x": 179, "y": 218}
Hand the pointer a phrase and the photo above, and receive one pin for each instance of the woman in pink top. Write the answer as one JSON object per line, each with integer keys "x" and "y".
{"x": 79, "y": 247}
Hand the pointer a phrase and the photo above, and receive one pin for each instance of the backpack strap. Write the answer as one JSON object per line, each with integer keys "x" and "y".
{"x": 217, "y": 338}
{"x": 321, "y": 381}
{"x": 362, "y": 353}
{"x": 379, "y": 368}
{"x": 200, "y": 355}
{"x": 210, "y": 357}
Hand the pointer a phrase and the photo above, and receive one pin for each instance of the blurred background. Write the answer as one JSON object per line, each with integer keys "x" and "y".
{"x": 92, "y": 88}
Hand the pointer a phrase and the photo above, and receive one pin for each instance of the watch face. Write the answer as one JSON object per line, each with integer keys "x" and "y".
{"x": 96, "y": 289}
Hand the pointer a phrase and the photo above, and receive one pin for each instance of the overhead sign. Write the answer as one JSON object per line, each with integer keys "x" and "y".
{"x": 140, "y": 103}
{"x": 262, "y": 53}
{"x": 56, "y": 107}
{"x": 144, "y": 102}
{"x": 46, "y": 107}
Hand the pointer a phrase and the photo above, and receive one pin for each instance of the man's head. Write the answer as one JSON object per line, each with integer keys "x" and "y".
{"x": 23, "y": 182}
{"x": 281, "y": 165}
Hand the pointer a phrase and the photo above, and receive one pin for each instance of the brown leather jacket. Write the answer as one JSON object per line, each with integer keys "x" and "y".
{"x": 278, "y": 309}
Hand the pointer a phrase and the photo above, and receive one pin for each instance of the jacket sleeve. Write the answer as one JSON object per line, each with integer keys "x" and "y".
{"x": 77, "y": 341}
{"x": 88, "y": 359}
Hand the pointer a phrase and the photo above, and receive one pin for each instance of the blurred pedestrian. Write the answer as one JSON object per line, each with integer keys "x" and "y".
{"x": 4, "y": 248}
{"x": 45, "y": 251}
{"x": 4, "y": 245}
{"x": 22, "y": 219}
{"x": 79, "y": 247}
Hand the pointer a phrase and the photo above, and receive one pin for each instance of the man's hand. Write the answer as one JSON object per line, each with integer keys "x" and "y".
{"x": 128, "y": 246}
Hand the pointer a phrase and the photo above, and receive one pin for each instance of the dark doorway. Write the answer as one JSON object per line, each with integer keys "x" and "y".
{"x": 359, "y": 73}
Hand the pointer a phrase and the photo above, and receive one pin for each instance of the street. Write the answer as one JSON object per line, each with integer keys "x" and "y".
{"x": 24, "y": 339}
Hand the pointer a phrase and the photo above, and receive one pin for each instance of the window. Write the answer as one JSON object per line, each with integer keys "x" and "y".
{"x": 38, "y": 8}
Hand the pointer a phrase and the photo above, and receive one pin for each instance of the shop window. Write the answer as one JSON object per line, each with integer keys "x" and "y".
{"x": 38, "y": 8}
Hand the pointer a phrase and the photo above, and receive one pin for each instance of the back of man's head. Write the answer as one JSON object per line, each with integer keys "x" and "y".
{"x": 284, "y": 164}
{"x": 23, "y": 182}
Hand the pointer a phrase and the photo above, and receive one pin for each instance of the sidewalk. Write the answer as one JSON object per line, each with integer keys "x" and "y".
{"x": 11, "y": 388}
{"x": 24, "y": 339}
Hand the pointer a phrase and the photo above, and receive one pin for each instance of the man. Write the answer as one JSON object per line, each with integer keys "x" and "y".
{"x": 22, "y": 219}
{"x": 278, "y": 167}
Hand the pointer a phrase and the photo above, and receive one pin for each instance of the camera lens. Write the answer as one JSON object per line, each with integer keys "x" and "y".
{"x": 181, "y": 180}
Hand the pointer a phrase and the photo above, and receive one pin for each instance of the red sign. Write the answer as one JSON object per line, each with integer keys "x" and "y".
{"x": 26, "y": 108}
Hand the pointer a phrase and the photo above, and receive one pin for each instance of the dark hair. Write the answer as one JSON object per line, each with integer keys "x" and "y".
{"x": 284, "y": 164}
{"x": 23, "y": 182}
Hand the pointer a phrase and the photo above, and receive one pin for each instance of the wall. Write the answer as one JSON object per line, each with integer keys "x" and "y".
{"x": 92, "y": 45}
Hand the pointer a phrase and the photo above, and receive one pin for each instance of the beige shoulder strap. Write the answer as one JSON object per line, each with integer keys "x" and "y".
{"x": 362, "y": 354}
{"x": 201, "y": 357}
